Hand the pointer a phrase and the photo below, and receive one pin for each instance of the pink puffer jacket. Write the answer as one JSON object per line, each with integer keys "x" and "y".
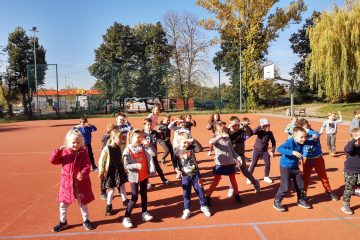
{"x": 73, "y": 163}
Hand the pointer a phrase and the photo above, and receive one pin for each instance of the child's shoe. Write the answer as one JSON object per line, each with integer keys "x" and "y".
{"x": 237, "y": 198}
{"x": 127, "y": 222}
{"x": 346, "y": 208}
{"x": 332, "y": 153}
{"x": 163, "y": 162}
{"x": 109, "y": 210}
{"x": 150, "y": 186}
{"x": 146, "y": 217}
{"x": 257, "y": 186}
{"x": 103, "y": 196}
{"x": 88, "y": 225}
{"x": 268, "y": 180}
{"x": 248, "y": 181}
{"x": 178, "y": 175}
{"x": 205, "y": 210}
{"x": 303, "y": 203}
{"x": 332, "y": 196}
{"x": 125, "y": 203}
{"x": 357, "y": 192}
{"x": 230, "y": 192}
{"x": 186, "y": 214}
{"x": 278, "y": 206}
{"x": 60, "y": 226}
{"x": 166, "y": 182}
{"x": 209, "y": 153}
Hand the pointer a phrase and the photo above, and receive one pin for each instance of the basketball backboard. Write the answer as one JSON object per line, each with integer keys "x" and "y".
{"x": 269, "y": 72}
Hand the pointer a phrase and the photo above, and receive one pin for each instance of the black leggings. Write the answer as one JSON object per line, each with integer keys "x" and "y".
{"x": 168, "y": 148}
{"x": 158, "y": 169}
{"x": 135, "y": 196}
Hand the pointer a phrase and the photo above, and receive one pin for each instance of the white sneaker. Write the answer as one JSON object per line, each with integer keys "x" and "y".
{"x": 268, "y": 180}
{"x": 146, "y": 217}
{"x": 127, "y": 222}
{"x": 230, "y": 192}
{"x": 206, "y": 211}
{"x": 186, "y": 214}
{"x": 357, "y": 192}
{"x": 209, "y": 153}
{"x": 178, "y": 176}
{"x": 248, "y": 181}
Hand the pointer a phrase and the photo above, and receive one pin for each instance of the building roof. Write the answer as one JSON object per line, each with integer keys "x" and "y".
{"x": 69, "y": 92}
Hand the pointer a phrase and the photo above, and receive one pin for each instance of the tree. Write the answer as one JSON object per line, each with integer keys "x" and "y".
{"x": 20, "y": 55}
{"x": 300, "y": 45}
{"x": 334, "y": 62}
{"x": 189, "y": 53}
{"x": 254, "y": 25}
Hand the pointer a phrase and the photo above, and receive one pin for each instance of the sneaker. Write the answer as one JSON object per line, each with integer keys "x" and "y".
{"x": 238, "y": 199}
{"x": 332, "y": 196}
{"x": 208, "y": 201}
{"x": 146, "y": 217}
{"x": 60, "y": 226}
{"x": 109, "y": 210}
{"x": 163, "y": 162}
{"x": 268, "y": 180}
{"x": 303, "y": 203}
{"x": 166, "y": 182}
{"x": 103, "y": 196}
{"x": 278, "y": 206}
{"x": 178, "y": 175}
{"x": 186, "y": 214}
{"x": 257, "y": 186}
{"x": 149, "y": 186}
{"x": 127, "y": 222}
{"x": 125, "y": 203}
{"x": 205, "y": 210}
{"x": 332, "y": 153}
{"x": 346, "y": 208}
{"x": 95, "y": 169}
{"x": 230, "y": 192}
{"x": 357, "y": 192}
{"x": 248, "y": 181}
{"x": 209, "y": 153}
{"x": 88, "y": 225}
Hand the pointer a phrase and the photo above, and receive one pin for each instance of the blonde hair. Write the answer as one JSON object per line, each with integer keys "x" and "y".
{"x": 131, "y": 134}
{"x": 182, "y": 136}
{"x": 115, "y": 133}
{"x": 331, "y": 113}
{"x": 71, "y": 133}
{"x": 355, "y": 133}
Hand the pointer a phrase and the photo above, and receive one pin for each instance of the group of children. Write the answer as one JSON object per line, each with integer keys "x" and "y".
{"x": 130, "y": 155}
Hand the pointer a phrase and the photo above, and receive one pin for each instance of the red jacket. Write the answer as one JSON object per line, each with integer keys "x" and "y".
{"x": 72, "y": 164}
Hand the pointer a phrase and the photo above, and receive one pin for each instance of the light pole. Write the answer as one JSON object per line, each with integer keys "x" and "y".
{"x": 34, "y": 29}
{"x": 240, "y": 81}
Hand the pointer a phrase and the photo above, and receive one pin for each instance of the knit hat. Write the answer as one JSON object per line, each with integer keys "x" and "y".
{"x": 264, "y": 121}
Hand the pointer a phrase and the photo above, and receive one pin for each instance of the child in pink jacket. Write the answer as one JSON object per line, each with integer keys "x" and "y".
{"x": 75, "y": 181}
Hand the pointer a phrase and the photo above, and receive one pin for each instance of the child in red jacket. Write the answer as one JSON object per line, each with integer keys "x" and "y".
{"x": 75, "y": 181}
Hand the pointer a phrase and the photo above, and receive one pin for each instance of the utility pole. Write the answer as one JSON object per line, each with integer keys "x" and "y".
{"x": 240, "y": 81}
{"x": 34, "y": 29}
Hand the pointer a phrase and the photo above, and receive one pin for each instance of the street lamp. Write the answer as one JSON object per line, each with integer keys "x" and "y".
{"x": 240, "y": 81}
{"x": 34, "y": 29}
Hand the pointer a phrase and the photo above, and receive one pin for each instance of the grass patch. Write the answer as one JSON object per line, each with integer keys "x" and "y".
{"x": 346, "y": 109}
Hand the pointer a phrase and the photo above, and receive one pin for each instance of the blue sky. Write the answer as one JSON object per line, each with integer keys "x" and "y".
{"x": 71, "y": 30}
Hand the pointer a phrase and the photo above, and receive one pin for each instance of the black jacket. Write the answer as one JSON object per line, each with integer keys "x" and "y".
{"x": 352, "y": 162}
{"x": 262, "y": 140}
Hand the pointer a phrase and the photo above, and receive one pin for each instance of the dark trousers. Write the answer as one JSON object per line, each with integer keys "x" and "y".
{"x": 91, "y": 155}
{"x": 196, "y": 182}
{"x": 168, "y": 148}
{"x": 135, "y": 196}
{"x": 244, "y": 170}
{"x": 286, "y": 174}
{"x": 158, "y": 169}
{"x": 103, "y": 186}
{"x": 255, "y": 157}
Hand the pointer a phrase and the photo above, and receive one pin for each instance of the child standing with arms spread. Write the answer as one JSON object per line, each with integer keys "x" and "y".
{"x": 290, "y": 127}
{"x": 151, "y": 136}
{"x": 225, "y": 160}
{"x": 214, "y": 119}
{"x": 164, "y": 139}
{"x": 187, "y": 166}
{"x": 111, "y": 169}
{"x": 139, "y": 166}
{"x": 238, "y": 136}
{"x": 289, "y": 169}
{"x": 313, "y": 159}
{"x": 75, "y": 181}
{"x": 351, "y": 169}
{"x": 330, "y": 127}
{"x": 264, "y": 136}
{"x": 86, "y": 129}
{"x": 189, "y": 122}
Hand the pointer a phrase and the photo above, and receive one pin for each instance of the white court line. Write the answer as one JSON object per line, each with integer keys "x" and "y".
{"x": 252, "y": 224}
{"x": 259, "y": 232}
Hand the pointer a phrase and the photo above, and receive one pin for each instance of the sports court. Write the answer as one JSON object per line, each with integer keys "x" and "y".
{"x": 30, "y": 184}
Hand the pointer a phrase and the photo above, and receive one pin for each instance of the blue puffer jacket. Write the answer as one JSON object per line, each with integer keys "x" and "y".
{"x": 310, "y": 151}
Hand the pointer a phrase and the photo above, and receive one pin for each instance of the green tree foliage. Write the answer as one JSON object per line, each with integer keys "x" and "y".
{"x": 334, "y": 61}
{"x": 300, "y": 45}
{"x": 132, "y": 62}
{"x": 20, "y": 55}
{"x": 254, "y": 23}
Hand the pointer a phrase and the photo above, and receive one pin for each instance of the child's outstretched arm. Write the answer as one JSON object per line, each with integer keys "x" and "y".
{"x": 285, "y": 149}
{"x": 171, "y": 125}
{"x": 197, "y": 146}
{"x": 340, "y": 118}
{"x": 56, "y": 155}
{"x": 93, "y": 128}
{"x": 323, "y": 127}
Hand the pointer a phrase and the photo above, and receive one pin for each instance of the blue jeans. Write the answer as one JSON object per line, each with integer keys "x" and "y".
{"x": 195, "y": 181}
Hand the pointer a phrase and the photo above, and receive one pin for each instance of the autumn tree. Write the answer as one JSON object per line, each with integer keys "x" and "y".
{"x": 334, "y": 62}
{"x": 251, "y": 24}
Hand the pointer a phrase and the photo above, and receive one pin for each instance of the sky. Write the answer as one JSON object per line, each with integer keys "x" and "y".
{"x": 70, "y": 30}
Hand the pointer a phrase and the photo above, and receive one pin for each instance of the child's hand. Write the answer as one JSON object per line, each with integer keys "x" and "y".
{"x": 225, "y": 135}
{"x": 101, "y": 175}
{"x": 314, "y": 136}
{"x": 138, "y": 166}
{"x": 190, "y": 140}
{"x": 145, "y": 143}
{"x": 271, "y": 154}
{"x": 62, "y": 147}
{"x": 178, "y": 171}
{"x": 79, "y": 176}
{"x": 297, "y": 154}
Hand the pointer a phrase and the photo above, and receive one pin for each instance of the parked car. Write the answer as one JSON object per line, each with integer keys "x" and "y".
{"x": 209, "y": 105}
{"x": 18, "y": 111}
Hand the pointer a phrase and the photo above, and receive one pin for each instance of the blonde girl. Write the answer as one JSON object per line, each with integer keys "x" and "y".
{"x": 75, "y": 181}
{"x": 111, "y": 169}
{"x": 139, "y": 165}
{"x": 154, "y": 116}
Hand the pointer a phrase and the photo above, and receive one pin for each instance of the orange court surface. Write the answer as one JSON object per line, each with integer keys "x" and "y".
{"x": 30, "y": 184}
